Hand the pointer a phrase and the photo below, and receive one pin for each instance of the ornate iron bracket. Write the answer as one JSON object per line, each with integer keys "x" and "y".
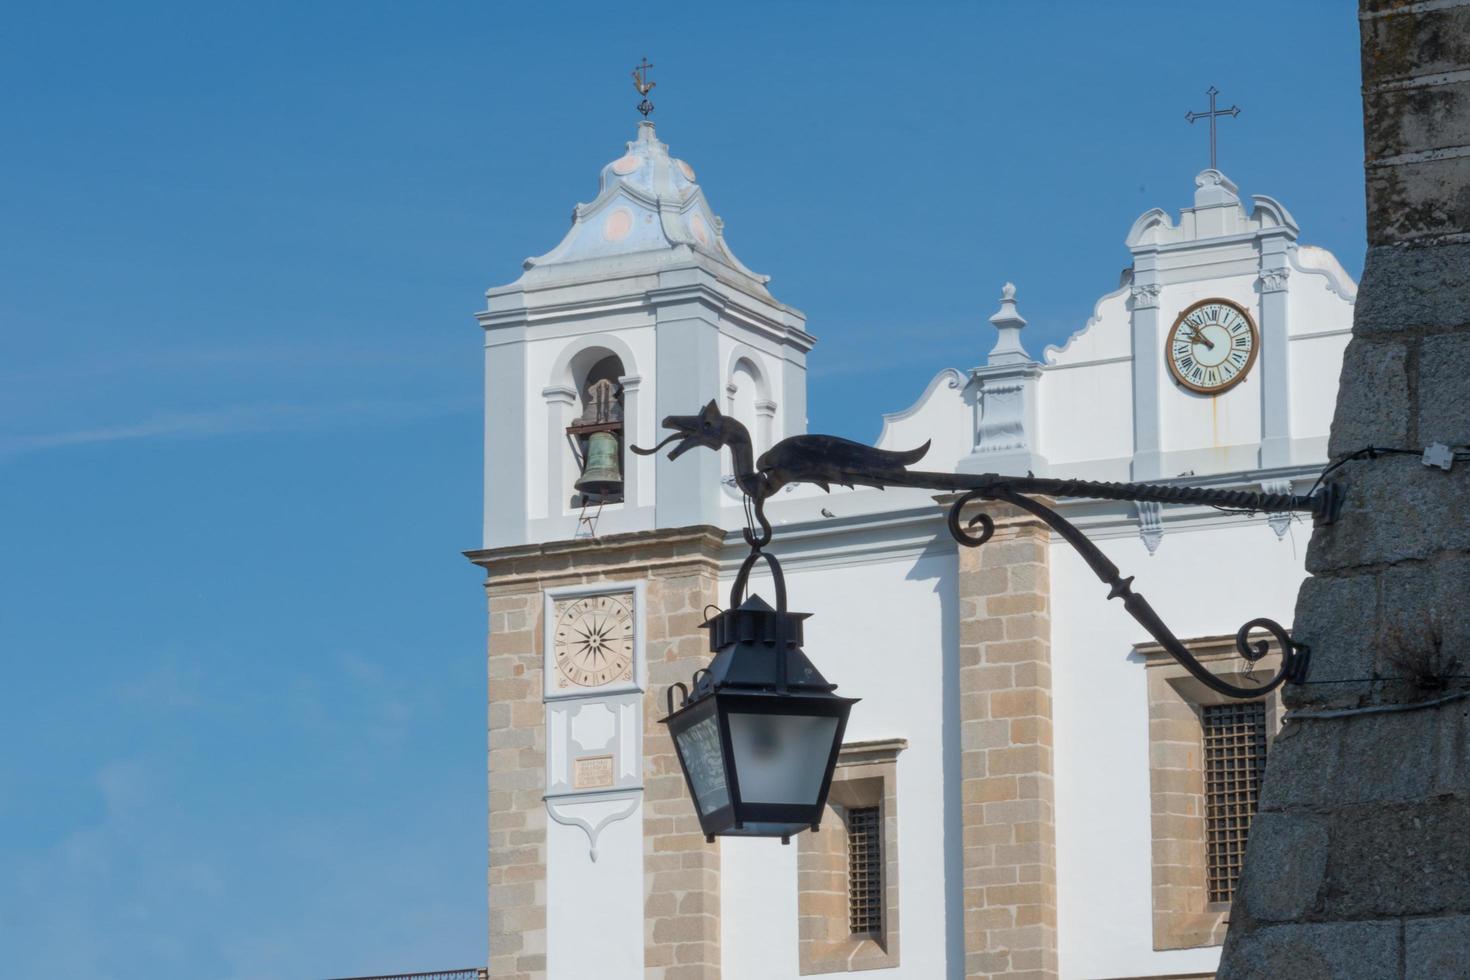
{"x": 827, "y": 460}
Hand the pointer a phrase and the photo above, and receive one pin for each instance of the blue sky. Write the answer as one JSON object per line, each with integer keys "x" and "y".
{"x": 243, "y": 691}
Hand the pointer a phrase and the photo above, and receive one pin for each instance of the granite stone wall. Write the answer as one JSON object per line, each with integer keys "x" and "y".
{"x": 681, "y": 887}
{"x": 681, "y": 870}
{"x": 517, "y": 761}
{"x": 1008, "y": 801}
{"x": 1359, "y": 860}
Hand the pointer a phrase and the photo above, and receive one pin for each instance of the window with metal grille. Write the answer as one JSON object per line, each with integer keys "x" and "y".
{"x": 1235, "y": 757}
{"x": 864, "y": 872}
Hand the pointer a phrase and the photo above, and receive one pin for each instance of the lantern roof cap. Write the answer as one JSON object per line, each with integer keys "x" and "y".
{"x": 743, "y": 640}
{"x": 754, "y": 603}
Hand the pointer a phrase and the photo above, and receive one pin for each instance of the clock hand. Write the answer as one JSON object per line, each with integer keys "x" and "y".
{"x": 1200, "y": 338}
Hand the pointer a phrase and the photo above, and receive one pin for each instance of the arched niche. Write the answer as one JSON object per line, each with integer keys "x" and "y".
{"x": 748, "y": 396}
{"x": 578, "y": 357}
{"x": 579, "y": 366}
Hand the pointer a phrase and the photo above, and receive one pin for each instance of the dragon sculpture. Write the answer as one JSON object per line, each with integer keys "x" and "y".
{"x": 823, "y": 460}
{"x": 828, "y": 461}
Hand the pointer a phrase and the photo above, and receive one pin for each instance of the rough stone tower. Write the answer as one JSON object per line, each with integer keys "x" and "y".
{"x": 1359, "y": 860}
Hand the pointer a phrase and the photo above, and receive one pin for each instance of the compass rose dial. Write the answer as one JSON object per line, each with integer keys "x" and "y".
{"x": 594, "y": 641}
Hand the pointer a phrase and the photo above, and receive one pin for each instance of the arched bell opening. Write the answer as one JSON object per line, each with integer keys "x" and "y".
{"x": 597, "y": 436}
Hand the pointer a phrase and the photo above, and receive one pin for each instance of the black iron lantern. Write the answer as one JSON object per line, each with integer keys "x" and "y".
{"x": 759, "y": 734}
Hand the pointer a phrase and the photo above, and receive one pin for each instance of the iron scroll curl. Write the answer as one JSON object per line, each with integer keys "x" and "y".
{"x": 961, "y": 533}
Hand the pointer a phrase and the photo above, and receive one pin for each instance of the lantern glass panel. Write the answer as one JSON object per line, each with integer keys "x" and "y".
{"x": 699, "y": 748}
{"x": 781, "y": 759}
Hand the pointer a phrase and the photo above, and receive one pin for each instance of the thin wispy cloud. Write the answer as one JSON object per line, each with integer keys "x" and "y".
{"x": 170, "y": 686}
{"x": 288, "y": 355}
{"x": 240, "y": 419}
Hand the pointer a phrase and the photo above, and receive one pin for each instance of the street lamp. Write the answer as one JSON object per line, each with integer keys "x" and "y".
{"x": 759, "y": 734}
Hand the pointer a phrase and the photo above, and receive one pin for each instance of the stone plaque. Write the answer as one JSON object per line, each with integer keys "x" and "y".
{"x": 593, "y": 772}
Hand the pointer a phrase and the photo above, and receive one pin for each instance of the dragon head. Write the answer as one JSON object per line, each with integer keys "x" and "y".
{"x": 710, "y": 428}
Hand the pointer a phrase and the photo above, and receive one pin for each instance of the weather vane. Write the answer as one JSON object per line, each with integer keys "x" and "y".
{"x": 644, "y": 86}
{"x": 1212, "y": 115}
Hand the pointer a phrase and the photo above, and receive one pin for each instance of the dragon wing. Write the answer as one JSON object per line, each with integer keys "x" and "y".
{"x": 825, "y": 460}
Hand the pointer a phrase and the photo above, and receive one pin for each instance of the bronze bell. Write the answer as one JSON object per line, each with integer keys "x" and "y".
{"x": 601, "y": 476}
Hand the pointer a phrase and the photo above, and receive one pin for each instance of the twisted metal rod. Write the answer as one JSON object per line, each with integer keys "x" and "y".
{"x": 1318, "y": 505}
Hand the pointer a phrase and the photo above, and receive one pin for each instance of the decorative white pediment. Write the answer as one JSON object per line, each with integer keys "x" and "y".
{"x": 1316, "y": 261}
{"x": 1217, "y": 214}
{"x": 1146, "y": 230}
{"x": 1212, "y": 189}
{"x": 1267, "y": 212}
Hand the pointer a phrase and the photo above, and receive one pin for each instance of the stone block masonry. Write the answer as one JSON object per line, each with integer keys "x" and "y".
{"x": 681, "y": 871}
{"x": 517, "y": 735}
{"x": 1008, "y": 816}
{"x": 680, "y": 567}
{"x": 1357, "y": 864}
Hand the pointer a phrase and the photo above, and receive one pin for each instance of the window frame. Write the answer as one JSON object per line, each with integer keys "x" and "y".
{"x": 866, "y": 776}
{"x": 1183, "y": 915}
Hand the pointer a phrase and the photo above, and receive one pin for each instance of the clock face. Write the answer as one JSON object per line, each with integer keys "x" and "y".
{"x": 593, "y": 640}
{"x": 1212, "y": 346}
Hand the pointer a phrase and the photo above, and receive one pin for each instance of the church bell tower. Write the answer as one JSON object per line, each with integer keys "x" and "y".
{"x": 643, "y": 293}
{"x": 600, "y": 563}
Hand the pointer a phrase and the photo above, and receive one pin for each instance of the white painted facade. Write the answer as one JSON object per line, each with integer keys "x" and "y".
{"x": 646, "y": 276}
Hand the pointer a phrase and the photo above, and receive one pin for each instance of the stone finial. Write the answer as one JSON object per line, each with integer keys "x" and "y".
{"x": 1008, "y": 324}
{"x": 1212, "y": 189}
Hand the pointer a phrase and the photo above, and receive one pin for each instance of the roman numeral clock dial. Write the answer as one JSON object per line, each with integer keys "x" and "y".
{"x": 593, "y": 641}
{"x": 1212, "y": 346}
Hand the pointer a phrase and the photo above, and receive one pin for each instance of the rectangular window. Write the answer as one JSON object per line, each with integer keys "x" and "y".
{"x": 1235, "y": 757}
{"x": 864, "y": 872}
{"x": 854, "y": 858}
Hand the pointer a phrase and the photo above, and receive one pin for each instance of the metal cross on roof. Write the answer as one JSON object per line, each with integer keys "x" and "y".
{"x": 1212, "y": 115}
{"x": 644, "y": 86}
